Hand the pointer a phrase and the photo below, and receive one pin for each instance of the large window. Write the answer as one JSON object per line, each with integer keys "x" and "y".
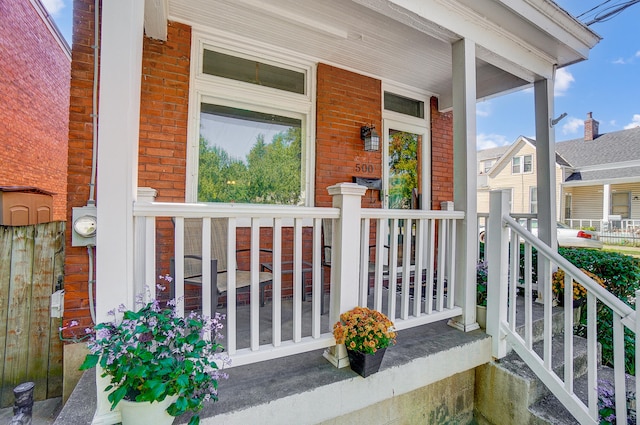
{"x": 620, "y": 202}
{"x": 247, "y": 156}
{"x": 251, "y": 115}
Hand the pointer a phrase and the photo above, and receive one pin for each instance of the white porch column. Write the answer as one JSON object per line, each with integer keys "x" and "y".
{"x": 606, "y": 206}
{"x": 546, "y": 160}
{"x": 119, "y": 120}
{"x": 464, "y": 180}
{"x": 345, "y": 261}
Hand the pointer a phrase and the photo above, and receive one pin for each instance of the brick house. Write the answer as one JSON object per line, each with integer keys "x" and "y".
{"x": 34, "y": 109}
{"x": 174, "y": 75}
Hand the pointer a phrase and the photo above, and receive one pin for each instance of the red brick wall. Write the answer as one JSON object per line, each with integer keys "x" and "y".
{"x": 76, "y": 300}
{"x": 441, "y": 155}
{"x": 164, "y": 103}
{"x": 345, "y": 102}
{"x": 163, "y": 136}
{"x": 34, "y": 104}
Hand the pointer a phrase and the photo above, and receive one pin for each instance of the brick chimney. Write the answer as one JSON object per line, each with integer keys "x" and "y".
{"x": 590, "y": 128}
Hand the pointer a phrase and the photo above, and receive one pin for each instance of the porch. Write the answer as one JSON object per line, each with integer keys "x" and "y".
{"x": 431, "y": 363}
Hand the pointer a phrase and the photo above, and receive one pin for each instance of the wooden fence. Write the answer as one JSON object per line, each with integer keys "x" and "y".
{"x": 31, "y": 269}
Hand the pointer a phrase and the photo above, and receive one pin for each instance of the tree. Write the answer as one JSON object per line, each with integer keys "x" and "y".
{"x": 271, "y": 174}
{"x": 403, "y": 168}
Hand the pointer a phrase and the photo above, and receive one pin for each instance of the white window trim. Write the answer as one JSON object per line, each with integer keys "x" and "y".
{"x": 531, "y": 203}
{"x": 209, "y": 88}
{"x": 522, "y": 164}
{"x": 403, "y": 122}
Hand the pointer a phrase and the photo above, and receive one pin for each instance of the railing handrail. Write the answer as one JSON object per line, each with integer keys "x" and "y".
{"x": 213, "y": 210}
{"x": 410, "y": 214}
{"x": 601, "y": 293}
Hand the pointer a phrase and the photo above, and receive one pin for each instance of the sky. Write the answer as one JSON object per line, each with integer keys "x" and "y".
{"x": 607, "y": 84}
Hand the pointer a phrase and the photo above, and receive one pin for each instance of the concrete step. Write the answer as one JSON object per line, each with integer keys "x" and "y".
{"x": 537, "y": 313}
{"x": 549, "y": 410}
{"x": 506, "y": 388}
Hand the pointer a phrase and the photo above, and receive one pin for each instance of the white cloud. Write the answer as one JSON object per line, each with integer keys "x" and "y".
{"x": 619, "y": 61}
{"x": 638, "y": 54}
{"x": 486, "y": 141}
{"x": 563, "y": 81}
{"x": 572, "y": 126}
{"x": 635, "y": 122}
{"x": 483, "y": 109}
{"x": 53, "y": 6}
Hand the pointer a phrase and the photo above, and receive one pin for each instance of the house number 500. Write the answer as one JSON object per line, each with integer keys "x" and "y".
{"x": 364, "y": 168}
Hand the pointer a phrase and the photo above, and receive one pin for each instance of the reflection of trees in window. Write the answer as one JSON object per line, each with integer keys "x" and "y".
{"x": 270, "y": 174}
{"x": 403, "y": 168}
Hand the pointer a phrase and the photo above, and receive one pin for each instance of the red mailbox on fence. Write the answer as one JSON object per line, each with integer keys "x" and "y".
{"x": 25, "y": 205}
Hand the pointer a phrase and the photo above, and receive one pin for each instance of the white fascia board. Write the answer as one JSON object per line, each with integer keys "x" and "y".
{"x": 609, "y": 166}
{"x": 622, "y": 180}
{"x": 557, "y": 22}
{"x": 156, "y": 15}
{"x": 467, "y": 24}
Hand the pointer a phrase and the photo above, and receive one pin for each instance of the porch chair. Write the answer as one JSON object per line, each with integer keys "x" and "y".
{"x": 219, "y": 272}
{"x": 327, "y": 241}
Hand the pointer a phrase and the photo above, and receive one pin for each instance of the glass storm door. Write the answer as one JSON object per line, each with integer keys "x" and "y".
{"x": 404, "y": 166}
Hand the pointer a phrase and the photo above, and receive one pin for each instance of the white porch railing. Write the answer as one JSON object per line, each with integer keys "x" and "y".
{"x": 412, "y": 269}
{"x": 294, "y": 235}
{"x": 503, "y": 254}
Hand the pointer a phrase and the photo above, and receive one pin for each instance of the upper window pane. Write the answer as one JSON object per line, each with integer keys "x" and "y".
{"x": 403, "y": 105}
{"x": 249, "y": 157}
{"x": 252, "y": 71}
{"x": 528, "y": 164}
{"x": 515, "y": 165}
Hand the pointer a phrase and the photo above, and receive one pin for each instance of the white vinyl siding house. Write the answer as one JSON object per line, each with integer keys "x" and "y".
{"x": 598, "y": 175}
{"x": 516, "y": 170}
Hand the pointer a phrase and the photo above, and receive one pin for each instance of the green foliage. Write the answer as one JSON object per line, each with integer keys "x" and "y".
{"x": 403, "y": 168}
{"x": 272, "y": 172}
{"x": 481, "y": 283}
{"x": 153, "y": 353}
{"x": 621, "y": 275}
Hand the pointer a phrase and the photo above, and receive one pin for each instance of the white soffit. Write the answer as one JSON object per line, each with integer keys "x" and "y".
{"x": 404, "y": 41}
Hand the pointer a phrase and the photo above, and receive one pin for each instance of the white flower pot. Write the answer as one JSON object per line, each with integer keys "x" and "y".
{"x": 141, "y": 413}
{"x": 481, "y": 316}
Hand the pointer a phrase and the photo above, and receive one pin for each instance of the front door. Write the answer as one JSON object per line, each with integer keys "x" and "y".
{"x": 406, "y": 177}
{"x": 406, "y": 168}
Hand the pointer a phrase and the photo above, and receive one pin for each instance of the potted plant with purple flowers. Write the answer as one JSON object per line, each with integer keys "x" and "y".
{"x": 155, "y": 356}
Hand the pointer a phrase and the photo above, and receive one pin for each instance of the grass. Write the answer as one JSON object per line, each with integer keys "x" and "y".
{"x": 625, "y": 250}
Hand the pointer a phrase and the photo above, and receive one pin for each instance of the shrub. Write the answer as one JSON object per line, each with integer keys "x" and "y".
{"x": 621, "y": 275}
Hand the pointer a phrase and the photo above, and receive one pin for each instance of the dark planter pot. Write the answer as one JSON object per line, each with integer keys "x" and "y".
{"x": 365, "y": 364}
{"x": 576, "y": 303}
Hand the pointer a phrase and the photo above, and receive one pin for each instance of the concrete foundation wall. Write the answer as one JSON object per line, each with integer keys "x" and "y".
{"x": 449, "y": 401}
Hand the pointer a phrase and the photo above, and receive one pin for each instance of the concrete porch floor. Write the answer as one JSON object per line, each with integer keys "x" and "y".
{"x": 423, "y": 355}
{"x": 296, "y": 389}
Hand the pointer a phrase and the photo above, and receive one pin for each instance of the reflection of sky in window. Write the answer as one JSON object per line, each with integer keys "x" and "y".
{"x": 236, "y": 136}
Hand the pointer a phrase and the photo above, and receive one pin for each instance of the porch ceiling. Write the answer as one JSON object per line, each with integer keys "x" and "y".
{"x": 393, "y": 41}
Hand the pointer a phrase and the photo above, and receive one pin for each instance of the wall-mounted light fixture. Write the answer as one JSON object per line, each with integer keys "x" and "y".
{"x": 370, "y": 137}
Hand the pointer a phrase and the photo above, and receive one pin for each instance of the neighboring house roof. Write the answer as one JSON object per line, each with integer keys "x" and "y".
{"x": 492, "y": 153}
{"x": 608, "y": 148}
{"x": 611, "y": 157}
